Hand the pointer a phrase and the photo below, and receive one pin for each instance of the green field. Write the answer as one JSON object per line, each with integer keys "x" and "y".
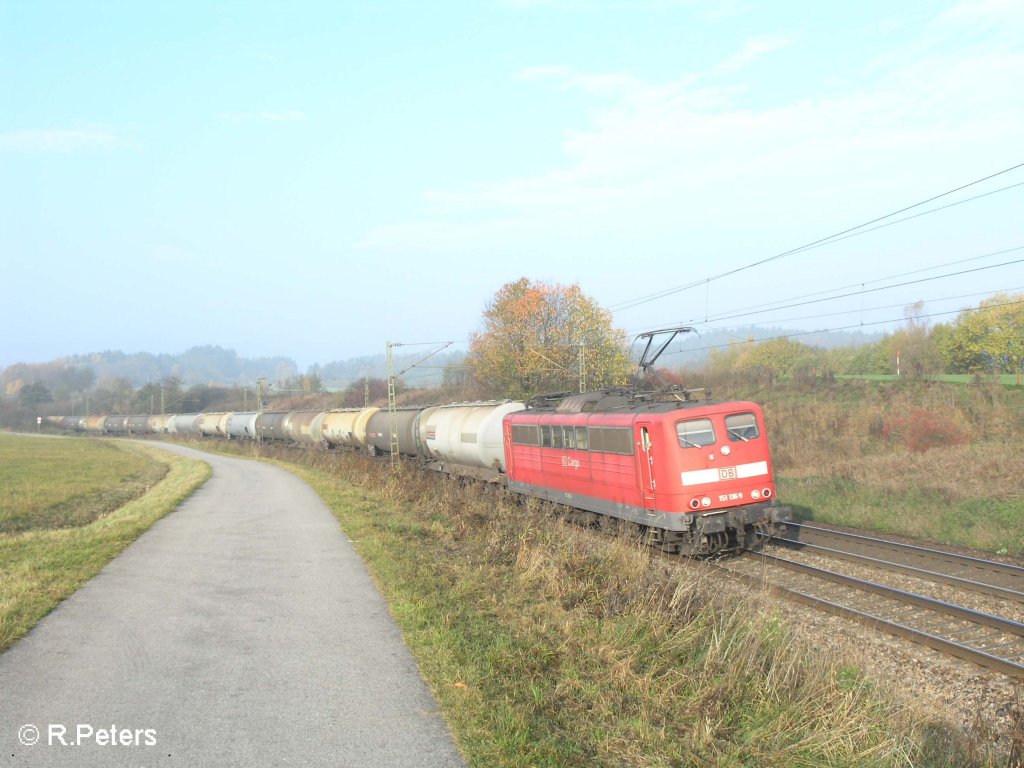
{"x": 1007, "y": 379}
{"x": 67, "y": 508}
{"x": 47, "y": 483}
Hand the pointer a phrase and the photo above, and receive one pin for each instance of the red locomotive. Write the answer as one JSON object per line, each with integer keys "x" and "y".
{"x": 696, "y": 477}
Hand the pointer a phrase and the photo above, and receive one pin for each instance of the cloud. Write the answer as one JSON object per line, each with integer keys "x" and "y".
{"x": 284, "y": 116}
{"x": 60, "y": 140}
{"x": 438, "y": 237}
{"x": 754, "y": 50}
{"x": 662, "y": 158}
{"x": 986, "y": 11}
{"x": 592, "y": 83}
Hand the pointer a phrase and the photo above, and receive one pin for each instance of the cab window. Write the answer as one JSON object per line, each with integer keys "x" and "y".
{"x": 695, "y": 433}
{"x": 741, "y": 427}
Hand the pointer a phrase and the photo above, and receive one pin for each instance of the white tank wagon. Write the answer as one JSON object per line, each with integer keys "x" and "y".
{"x": 467, "y": 435}
{"x": 346, "y": 428}
{"x": 209, "y": 424}
{"x": 241, "y": 425}
{"x": 184, "y": 424}
{"x": 157, "y": 423}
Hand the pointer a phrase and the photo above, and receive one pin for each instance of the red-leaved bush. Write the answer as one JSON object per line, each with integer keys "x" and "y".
{"x": 922, "y": 429}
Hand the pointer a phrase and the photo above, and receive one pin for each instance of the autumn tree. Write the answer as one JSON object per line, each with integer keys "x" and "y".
{"x": 988, "y": 338}
{"x": 532, "y": 337}
{"x": 776, "y": 357}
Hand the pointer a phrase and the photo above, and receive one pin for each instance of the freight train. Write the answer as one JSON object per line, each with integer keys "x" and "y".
{"x": 692, "y": 476}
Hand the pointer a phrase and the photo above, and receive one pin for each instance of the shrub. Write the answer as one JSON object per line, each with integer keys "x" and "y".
{"x": 922, "y": 429}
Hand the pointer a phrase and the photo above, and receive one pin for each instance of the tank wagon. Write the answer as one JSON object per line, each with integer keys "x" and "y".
{"x": 242, "y": 426}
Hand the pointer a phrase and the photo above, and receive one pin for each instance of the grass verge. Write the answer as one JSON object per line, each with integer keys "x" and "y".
{"x": 985, "y": 524}
{"x": 548, "y": 645}
{"x": 42, "y": 567}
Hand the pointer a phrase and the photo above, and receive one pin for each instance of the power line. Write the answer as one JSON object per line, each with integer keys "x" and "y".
{"x": 875, "y": 290}
{"x": 887, "y": 306}
{"x": 771, "y": 306}
{"x": 849, "y": 327}
{"x": 630, "y": 303}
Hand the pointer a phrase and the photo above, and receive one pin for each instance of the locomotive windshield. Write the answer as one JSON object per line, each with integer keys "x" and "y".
{"x": 695, "y": 433}
{"x": 741, "y": 426}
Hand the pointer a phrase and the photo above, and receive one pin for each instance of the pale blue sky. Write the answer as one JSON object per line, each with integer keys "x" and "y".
{"x": 312, "y": 179}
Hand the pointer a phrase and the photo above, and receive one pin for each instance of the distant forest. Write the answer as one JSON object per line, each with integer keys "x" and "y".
{"x": 216, "y": 366}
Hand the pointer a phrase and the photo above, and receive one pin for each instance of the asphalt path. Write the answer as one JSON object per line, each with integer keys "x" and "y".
{"x": 240, "y": 630}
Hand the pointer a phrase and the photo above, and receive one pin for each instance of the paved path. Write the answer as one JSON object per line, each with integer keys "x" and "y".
{"x": 241, "y": 630}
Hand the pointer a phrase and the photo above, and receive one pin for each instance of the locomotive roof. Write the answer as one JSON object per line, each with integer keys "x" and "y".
{"x": 622, "y": 401}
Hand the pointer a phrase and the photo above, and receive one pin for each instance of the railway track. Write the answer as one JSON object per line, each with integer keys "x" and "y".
{"x": 1000, "y": 580}
{"x": 984, "y": 639}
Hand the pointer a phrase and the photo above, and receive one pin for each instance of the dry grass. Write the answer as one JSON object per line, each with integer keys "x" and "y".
{"x": 845, "y": 453}
{"x": 550, "y": 645}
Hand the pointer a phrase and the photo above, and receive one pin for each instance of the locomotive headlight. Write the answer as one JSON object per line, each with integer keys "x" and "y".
{"x": 726, "y": 450}
{"x": 694, "y": 503}
{"x": 755, "y": 494}
{"x": 706, "y": 501}
{"x": 766, "y": 492}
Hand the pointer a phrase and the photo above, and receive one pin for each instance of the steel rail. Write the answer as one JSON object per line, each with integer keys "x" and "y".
{"x": 937, "y": 576}
{"x": 974, "y": 655}
{"x": 1009, "y": 572}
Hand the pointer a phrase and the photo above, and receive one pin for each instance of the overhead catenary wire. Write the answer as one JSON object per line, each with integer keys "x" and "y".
{"x": 845, "y": 327}
{"x": 861, "y": 310}
{"x": 781, "y": 303}
{"x": 875, "y": 290}
{"x": 630, "y": 303}
{"x": 797, "y": 301}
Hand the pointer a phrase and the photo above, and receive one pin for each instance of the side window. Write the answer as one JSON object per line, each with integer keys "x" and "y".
{"x": 570, "y": 437}
{"x": 525, "y": 434}
{"x": 556, "y": 437}
{"x": 695, "y": 433}
{"x": 545, "y": 436}
{"x": 581, "y": 439}
{"x": 741, "y": 426}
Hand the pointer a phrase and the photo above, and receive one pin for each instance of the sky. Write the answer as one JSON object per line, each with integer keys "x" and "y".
{"x": 314, "y": 179}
